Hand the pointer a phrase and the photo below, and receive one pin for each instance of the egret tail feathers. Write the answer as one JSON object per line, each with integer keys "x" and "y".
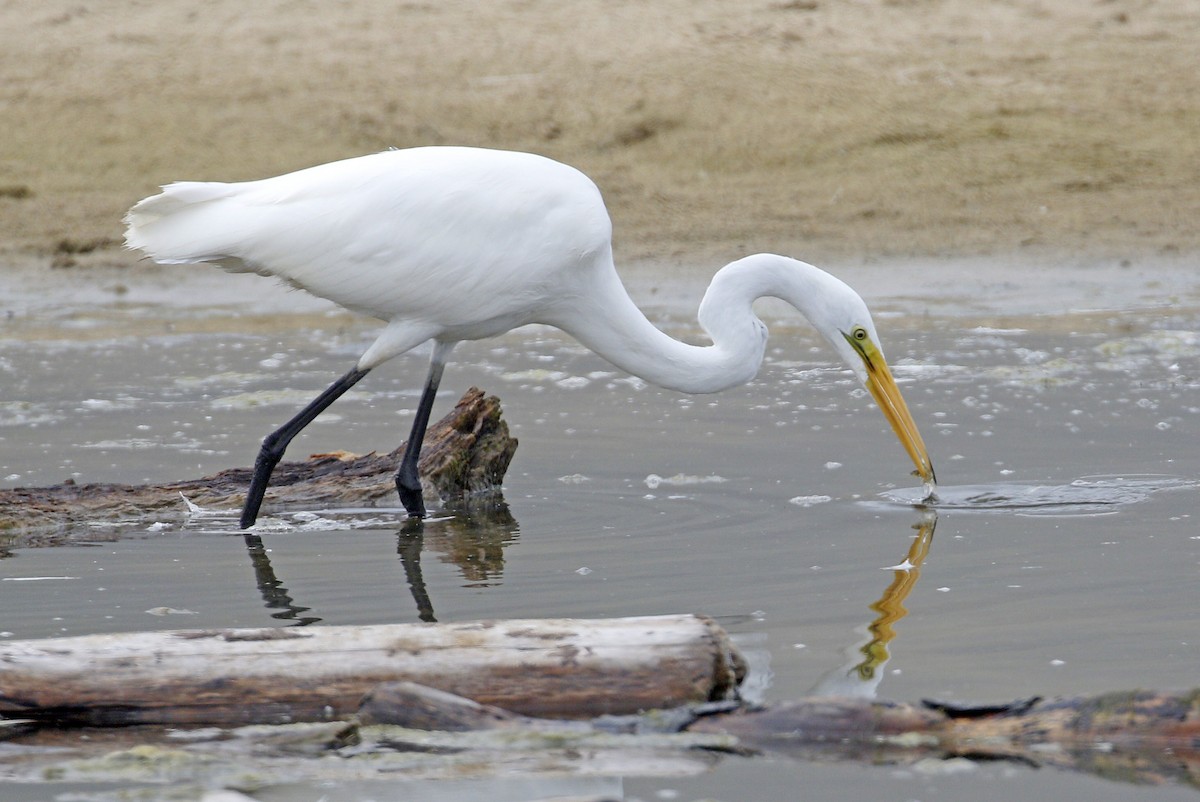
{"x": 188, "y": 222}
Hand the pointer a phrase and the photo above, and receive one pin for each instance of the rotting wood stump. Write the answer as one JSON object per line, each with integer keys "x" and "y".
{"x": 465, "y": 454}
{"x": 562, "y": 668}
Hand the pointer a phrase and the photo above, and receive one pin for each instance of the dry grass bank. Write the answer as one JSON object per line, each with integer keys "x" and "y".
{"x": 821, "y": 128}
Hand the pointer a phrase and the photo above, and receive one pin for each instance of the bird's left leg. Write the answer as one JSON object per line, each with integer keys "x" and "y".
{"x": 277, "y": 442}
{"x": 408, "y": 480}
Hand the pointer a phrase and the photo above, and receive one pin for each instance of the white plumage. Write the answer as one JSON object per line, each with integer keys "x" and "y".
{"x": 453, "y": 244}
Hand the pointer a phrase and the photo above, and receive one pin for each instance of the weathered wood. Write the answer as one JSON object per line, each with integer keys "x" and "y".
{"x": 1135, "y": 737}
{"x": 409, "y": 706}
{"x": 552, "y": 667}
{"x": 1121, "y": 722}
{"x": 465, "y": 453}
{"x": 1132, "y": 736}
{"x": 420, "y": 707}
{"x": 1152, "y": 736}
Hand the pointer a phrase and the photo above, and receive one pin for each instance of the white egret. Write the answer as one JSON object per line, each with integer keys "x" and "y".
{"x": 449, "y": 244}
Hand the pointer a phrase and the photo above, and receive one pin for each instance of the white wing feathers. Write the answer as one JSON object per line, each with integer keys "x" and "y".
{"x": 441, "y": 234}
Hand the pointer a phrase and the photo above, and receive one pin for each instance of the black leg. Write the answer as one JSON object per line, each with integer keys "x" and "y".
{"x": 408, "y": 479}
{"x": 277, "y": 442}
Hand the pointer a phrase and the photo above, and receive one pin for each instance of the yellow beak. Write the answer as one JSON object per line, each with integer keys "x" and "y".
{"x": 883, "y": 389}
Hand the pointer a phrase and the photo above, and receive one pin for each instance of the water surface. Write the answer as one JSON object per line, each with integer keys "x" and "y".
{"x": 1063, "y": 556}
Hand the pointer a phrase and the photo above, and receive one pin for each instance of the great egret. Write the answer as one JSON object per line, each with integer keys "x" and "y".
{"x": 449, "y": 244}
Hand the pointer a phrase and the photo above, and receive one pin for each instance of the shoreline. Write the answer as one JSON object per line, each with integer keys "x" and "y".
{"x": 903, "y": 291}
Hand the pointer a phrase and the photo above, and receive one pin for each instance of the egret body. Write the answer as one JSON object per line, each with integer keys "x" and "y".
{"x": 450, "y": 244}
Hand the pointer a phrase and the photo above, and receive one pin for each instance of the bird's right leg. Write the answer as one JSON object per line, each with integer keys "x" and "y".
{"x": 277, "y": 441}
{"x": 408, "y": 479}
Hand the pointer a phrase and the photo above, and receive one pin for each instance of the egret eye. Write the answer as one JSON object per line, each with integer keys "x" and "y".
{"x": 859, "y": 333}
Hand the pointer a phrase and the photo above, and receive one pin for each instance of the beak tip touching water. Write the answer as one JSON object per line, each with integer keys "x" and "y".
{"x": 884, "y": 390}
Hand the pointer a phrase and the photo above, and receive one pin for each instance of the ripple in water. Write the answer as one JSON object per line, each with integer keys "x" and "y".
{"x": 1085, "y": 496}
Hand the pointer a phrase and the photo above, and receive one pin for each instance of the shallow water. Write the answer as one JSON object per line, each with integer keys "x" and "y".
{"x": 1062, "y": 555}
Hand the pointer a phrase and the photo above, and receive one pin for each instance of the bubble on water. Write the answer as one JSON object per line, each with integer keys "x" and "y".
{"x": 534, "y": 375}
{"x": 34, "y": 579}
{"x": 654, "y": 481}
{"x": 272, "y": 525}
{"x": 631, "y": 381}
{"x": 131, "y": 444}
{"x": 169, "y": 611}
{"x": 320, "y": 524}
{"x": 269, "y": 398}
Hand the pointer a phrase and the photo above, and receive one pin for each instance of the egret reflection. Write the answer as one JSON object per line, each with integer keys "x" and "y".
{"x": 473, "y": 538}
{"x": 274, "y": 595}
{"x": 861, "y": 674}
{"x": 409, "y": 543}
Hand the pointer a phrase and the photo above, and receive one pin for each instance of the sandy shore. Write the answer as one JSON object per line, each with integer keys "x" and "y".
{"x": 857, "y": 131}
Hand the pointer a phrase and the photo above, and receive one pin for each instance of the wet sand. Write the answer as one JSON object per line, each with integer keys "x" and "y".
{"x": 830, "y": 131}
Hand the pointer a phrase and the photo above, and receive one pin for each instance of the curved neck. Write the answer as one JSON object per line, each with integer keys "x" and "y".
{"x": 602, "y": 317}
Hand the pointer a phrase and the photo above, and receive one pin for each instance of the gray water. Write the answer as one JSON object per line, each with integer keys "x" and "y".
{"x": 1063, "y": 555}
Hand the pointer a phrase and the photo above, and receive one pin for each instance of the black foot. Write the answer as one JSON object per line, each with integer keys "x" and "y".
{"x": 413, "y": 501}
{"x": 408, "y": 485}
{"x": 268, "y": 458}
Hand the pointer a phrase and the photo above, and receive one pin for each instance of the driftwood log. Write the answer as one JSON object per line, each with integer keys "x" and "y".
{"x": 395, "y": 690}
{"x": 553, "y": 667}
{"x": 465, "y": 453}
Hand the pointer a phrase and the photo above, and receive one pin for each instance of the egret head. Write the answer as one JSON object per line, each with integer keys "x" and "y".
{"x": 843, "y": 319}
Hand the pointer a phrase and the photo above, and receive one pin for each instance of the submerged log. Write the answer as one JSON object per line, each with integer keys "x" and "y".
{"x": 1123, "y": 721}
{"x": 468, "y": 739}
{"x": 554, "y": 667}
{"x": 1134, "y": 736}
{"x": 1140, "y": 736}
{"x": 465, "y": 453}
